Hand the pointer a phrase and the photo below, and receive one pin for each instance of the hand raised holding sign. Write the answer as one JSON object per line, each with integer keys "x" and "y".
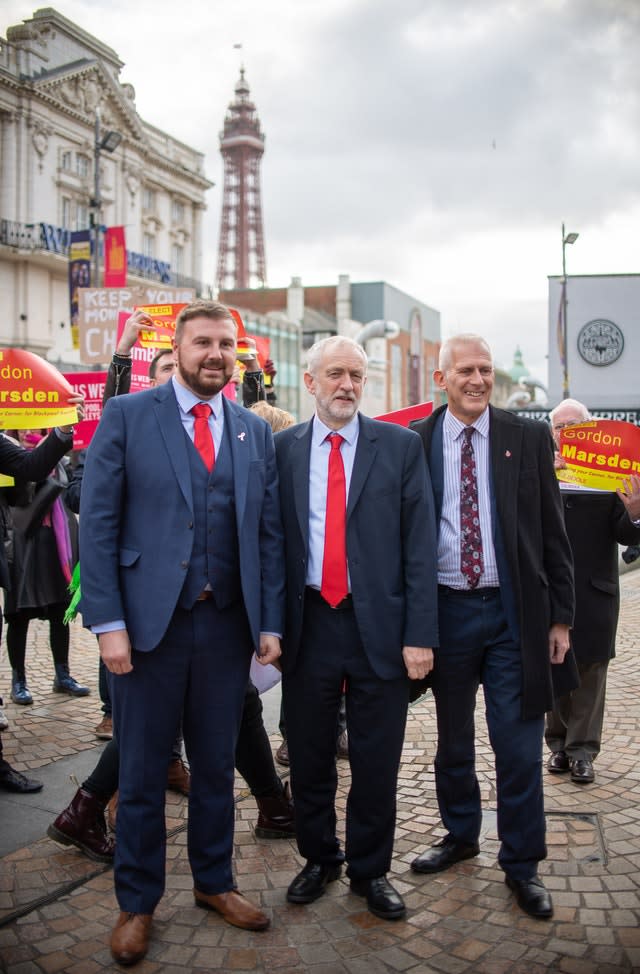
{"x": 629, "y": 494}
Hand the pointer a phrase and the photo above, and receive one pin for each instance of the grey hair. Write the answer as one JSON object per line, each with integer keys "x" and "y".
{"x": 317, "y": 351}
{"x": 465, "y": 338}
{"x": 576, "y": 404}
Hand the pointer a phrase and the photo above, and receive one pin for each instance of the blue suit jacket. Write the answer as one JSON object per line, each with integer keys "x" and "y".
{"x": 136, "y": 526}
{"x": 391, "y": 541}
{"x": 532, "y": 548}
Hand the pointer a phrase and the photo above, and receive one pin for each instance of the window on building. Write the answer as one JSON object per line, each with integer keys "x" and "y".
{"x": 148, "y": 245}
{"x": 82, "y": 165}
{"x": 65, "y": 161}
{"x": 67, "y": 213}
{"x": 148, "y": 199}
{"x": 177, "y": 211}
{"x": 177, "y": 259}
{"x": 82, "y": 216}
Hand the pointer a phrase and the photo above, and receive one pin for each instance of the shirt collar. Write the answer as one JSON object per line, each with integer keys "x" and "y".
{"x": 187, "y": 399}
{"x": 321, "y": 431}
{"x": 454, "y": 427}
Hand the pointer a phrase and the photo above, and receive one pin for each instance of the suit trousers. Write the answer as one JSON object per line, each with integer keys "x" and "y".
{"x": 476, "y": 646}
{"x": 332, "y": 652}
{"x": 198, "y": 672}
{"x": 254, "y": 759}
{"x": 575, "y": 723}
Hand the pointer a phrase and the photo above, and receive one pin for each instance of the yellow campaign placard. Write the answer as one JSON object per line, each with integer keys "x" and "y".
{"x": 33, "y": 394}
{"x": 164, "y": 325}
{"x": 599, "y": 454}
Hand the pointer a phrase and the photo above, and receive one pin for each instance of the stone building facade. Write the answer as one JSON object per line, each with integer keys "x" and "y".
{"x": 55, "y": 80}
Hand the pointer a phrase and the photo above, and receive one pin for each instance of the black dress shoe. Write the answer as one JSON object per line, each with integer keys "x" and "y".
{"x": 582, "y": 772}
{"x": 382, "y": 899}
{"x": 311, "y": 882}
{"x": 558, "y": 763}
{"x": 444, "y": 854}
{"x": 532, "y": 895}
{"x": 12, "y": 780}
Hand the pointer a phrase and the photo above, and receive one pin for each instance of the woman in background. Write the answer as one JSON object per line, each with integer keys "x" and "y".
{"x": 45, "y": 550}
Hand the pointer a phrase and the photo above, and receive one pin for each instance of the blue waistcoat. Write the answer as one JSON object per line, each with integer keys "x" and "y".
{"x": 214, "y": 558}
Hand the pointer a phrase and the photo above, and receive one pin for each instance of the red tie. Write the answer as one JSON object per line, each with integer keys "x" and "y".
{"x": 202, "y": 438}
{"x": 334, "y": 563}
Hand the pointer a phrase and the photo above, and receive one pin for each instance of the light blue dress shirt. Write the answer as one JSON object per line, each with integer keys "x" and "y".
{"x": 318, "y": 475}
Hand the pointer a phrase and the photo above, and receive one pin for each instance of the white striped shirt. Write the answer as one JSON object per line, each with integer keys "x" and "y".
{"x": 449, "y": 572}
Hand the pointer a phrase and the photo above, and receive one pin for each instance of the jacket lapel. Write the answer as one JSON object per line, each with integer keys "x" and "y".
{"x": 506, "y": 459}
{"x": 167, "y": 414}
{"x": 300, "y": 455}
{"x": 365, "y": 455}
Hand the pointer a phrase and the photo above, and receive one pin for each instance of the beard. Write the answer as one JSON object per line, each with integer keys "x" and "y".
{"x": 201, "y": 381}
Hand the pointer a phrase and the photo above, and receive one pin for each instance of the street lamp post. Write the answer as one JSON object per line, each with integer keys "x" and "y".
{"x": 108, "y": 142}
{"x": 567, "y": 238}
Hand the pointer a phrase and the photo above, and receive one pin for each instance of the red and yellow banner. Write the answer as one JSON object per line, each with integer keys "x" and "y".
{"x": 599, "y": 454}
{"x": 33, "y": 394}
{"x": 115, "y": 258}
{"x": 163, "y": 331}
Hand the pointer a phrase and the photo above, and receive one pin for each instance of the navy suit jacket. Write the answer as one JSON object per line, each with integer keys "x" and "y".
{"x": 136, "y": 526}
{"x": 534, "y": 557}
{"x": 391, "y": 542}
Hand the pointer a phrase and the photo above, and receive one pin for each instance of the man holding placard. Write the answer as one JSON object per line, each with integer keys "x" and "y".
{"x": 596, "y": 522}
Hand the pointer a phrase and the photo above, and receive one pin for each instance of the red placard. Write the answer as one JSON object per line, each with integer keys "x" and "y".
{"x": 600, "y": 454}
{"x": 408, "y": 415}
{"x": 91, "y": 386}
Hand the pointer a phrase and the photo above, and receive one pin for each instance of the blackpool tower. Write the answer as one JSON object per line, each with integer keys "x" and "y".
{"x": 241, "y": 260}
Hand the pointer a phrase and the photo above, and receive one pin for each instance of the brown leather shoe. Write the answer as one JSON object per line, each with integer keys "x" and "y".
{"x": 282, "y": 755}
{"x": 233, "y": 908}
{"x": 112, "y": 811}
{"x": 104, "y": 730}
{"x": 178, "y": 777}
{"x": 130, "y": 938}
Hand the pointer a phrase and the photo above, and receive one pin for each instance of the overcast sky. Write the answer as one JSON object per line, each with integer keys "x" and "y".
{"x": 434, "y": 144}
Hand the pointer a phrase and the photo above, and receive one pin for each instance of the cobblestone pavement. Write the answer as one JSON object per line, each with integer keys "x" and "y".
{"x": 57, "y": 907}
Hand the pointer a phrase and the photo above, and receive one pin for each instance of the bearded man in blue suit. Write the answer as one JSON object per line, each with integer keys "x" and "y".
{"x": 180, "y": 546}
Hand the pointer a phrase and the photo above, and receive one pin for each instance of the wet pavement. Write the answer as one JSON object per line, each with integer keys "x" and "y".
{"x": 57, "y": 907}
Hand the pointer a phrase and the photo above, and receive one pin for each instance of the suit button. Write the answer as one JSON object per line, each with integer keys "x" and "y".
{"x": 184, "y": 564}
{"x": 190, "y": 524}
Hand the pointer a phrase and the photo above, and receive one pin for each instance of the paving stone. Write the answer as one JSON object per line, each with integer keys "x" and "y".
{"x": 463, "y": 921}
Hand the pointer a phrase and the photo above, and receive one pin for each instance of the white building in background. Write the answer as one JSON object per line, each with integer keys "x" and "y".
{"x": 603, "y": 343}
{"x": 54, "y": 76}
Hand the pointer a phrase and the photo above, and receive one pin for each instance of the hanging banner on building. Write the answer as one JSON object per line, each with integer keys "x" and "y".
{"x": 99, "y": 308}
{"x": 33, "y": 394}
{"x": 403, "y": 417}
{"x": 79, "y": 275}
{"x": 91, "y": 386}
{"x": 115, "y": 258}
{"x": 599, "y": 454}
